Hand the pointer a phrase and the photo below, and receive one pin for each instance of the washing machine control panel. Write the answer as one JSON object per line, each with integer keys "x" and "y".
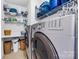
{"x": 51, "y": 24}
{"x": 55, "y": 24}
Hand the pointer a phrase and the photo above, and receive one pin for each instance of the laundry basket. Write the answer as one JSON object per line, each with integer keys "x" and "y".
{"x": 7, "y": 32}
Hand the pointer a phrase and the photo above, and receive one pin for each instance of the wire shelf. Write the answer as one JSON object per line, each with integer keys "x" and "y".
{"x": 69, "y": 7}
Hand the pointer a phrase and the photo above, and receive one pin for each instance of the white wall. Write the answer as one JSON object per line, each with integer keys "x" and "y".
{"x": 2, "y": 52}
{"x": 18, "y": 2}
{"x": 39, "y": 2}
{"x": 31, "y": 12}
{"x": 1, "y": 42}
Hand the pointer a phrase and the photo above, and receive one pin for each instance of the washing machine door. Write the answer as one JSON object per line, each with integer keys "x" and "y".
{"x": 43, "y": 47}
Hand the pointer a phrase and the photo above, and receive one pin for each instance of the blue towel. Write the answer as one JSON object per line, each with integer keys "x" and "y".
{"x": 13, "y": 10}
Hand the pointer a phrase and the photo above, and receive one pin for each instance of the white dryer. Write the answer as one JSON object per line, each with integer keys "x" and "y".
{"x": 53, "y": 38}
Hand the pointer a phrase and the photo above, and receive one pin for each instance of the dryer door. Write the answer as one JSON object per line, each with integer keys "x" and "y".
{"x": 43, "y": 47}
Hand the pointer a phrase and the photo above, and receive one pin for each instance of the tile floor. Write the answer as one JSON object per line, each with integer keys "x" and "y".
{"x": 16, "y": 55}
{"x": 21, "y": 55}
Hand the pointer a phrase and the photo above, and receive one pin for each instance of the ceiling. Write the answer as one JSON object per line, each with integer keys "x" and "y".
{"x": 18, "y": 2}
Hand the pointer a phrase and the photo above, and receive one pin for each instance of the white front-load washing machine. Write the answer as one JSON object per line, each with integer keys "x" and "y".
{"x": 53, "y": 38}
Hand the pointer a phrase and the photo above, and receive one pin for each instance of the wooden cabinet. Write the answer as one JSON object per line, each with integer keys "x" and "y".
{"x": 7, "y": 47}
{"x": 22, "y": 44}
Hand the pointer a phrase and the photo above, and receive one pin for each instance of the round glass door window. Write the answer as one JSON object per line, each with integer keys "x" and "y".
{"x": 43, "y": 47}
